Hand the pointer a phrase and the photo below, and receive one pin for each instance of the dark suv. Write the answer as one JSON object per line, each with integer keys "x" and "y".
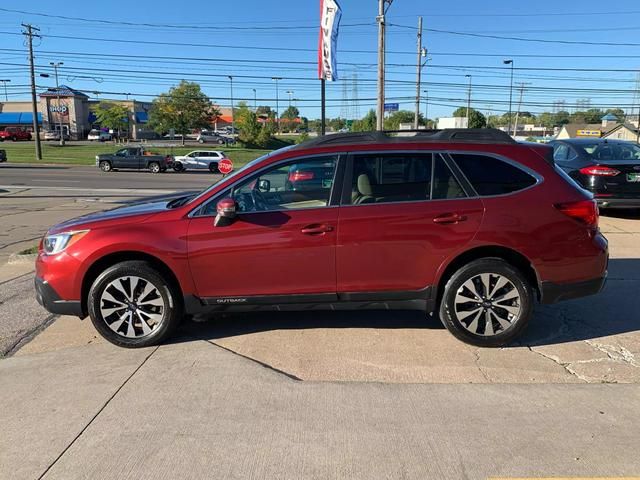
{"x": 466, "y": 224}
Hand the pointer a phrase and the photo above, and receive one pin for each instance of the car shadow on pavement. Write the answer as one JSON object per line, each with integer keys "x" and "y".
{"x": 628, "y": 214}
{"x": 612, "y": 312}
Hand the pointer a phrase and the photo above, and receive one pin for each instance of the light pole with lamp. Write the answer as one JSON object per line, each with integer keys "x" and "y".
{"x": 6, "y": 97}
{"x": 55, "y": 66}
{"x": 510, "y": 62}
{"x": 255, "y": 101}
{"x": 468, "y": 100}
{"x": 277, "y": 116}
{"x": 233, "y": 118}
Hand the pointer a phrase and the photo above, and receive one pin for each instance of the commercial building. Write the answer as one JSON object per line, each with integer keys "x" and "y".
{"x": 71, "y": 110}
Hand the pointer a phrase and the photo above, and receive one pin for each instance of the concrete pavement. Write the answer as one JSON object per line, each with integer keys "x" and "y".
{"x": 193, "y": 410}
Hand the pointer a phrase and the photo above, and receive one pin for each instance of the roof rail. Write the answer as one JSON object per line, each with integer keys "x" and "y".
{"x": 457, "y": 135}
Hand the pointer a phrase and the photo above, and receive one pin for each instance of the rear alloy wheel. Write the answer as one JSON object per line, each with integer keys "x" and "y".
{"x": 178, "y": 167}
{"x": 105, "y": 166}
{"x": 487, "y": 303}
{"x": 132, "y": 305}
{"x": 154, "y": 167}
{"x": 213, "y": 168}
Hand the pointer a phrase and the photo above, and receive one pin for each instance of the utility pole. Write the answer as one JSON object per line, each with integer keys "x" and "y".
{"x": 6, "y": 97}
{"x": 510, "y": 62}
{"x": 55, "y": 69}
{"x": 233, "y": 117}
{"x": 277, "y": 116}
{"x": 421, "y": 53}
{"x": 468, "y": 100}
{"x": 381, "y": 62}
{"x": 34, "y": 105}
{"x": 515, "y": 126}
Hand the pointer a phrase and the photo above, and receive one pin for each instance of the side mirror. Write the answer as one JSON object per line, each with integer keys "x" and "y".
{"x": 226, "y": 209}
{"x": 264, "y": 185}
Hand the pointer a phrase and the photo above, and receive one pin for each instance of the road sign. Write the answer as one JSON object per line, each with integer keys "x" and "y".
{"x": 225, "y": 166}
{"x": 391, "y": 107}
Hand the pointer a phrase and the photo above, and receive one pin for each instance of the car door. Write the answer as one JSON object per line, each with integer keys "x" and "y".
{"x": 281, "y": 243}
{"x": 402, "y": 215}
{"x": 121, "y": 159}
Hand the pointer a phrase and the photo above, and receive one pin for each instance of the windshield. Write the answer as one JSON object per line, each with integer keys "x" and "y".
{"x": 241, "y": 169}
{"x": 613, "y": 151}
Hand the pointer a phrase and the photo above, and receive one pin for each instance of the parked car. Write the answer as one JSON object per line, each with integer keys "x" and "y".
{"x": 213, "y": 137}
{"x": 54, "y": 135}
{"x": 308, "y": 176}
{"x": 610, "y": 169}
{"x": 14, "y": 134}
{"x": 99, "y": 135}
{"x": 466, "y": 224}
{"x": 136, "y": 158}
{"x": 198, "y": 160}
{"x": 3, "y": 155}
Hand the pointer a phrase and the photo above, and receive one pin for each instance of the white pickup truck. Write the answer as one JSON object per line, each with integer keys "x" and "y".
{"x": 198, "y": 160}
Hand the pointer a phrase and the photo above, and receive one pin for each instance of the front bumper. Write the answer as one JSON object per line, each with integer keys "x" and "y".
{"x": 557, "y": 292}
{"x": 50, "y": 300}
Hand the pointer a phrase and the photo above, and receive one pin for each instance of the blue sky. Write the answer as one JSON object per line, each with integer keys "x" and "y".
{"x": 255, "y": 40}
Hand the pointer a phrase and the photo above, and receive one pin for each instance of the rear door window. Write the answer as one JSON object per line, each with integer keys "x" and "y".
{"x": 491, "y": 176}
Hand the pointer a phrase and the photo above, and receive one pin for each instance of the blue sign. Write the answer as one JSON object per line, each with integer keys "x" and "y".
{"x": 391, "y": 107}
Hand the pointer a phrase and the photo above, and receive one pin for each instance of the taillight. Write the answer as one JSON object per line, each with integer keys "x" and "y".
{"x": 585, "y": 211}
{"x": 600, "y": 171}
{"x": 300, "y": 176}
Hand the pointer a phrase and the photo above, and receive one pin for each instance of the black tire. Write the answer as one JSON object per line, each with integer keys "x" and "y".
{"x": 105, "y": 166}
{"x": 166, "y": 292}
{"x": 154, "y": 167}
{"x": 201, "y": 141}
{"x": 15, "y": 139}
{"x": 178, "y": 167}
{"x": 221, "y": 142}
{"x": 213, "y": 168}
{"x": 488, "y": 304}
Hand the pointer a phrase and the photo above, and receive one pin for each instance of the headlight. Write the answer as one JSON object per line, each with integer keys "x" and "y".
{"x": 56, "y": 243}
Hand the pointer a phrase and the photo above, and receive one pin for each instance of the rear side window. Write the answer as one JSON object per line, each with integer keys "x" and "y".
{"x": 490, "y": 176}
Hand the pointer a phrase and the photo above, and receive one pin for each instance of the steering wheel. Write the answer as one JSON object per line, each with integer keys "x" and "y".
{"x": 259, "y": 203}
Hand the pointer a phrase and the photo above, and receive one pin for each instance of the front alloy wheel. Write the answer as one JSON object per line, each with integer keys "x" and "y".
{"x": 487, "y": 303}
{"x": 132, "y": 305}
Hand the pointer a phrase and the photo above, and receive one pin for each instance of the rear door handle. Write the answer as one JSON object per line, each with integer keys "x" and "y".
{"x": 316, "y": 229}
{"x": 449, "y": 218}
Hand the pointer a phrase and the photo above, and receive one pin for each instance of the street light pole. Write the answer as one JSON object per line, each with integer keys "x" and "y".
{"x": 6, "y": 97}
{"x": 55, "y": 69}
{"x": 426, "y": 107}
{"x": 233, "y": 117}
{"x": 255, "y": 101}
{"x": 290, "y": 93}
{"x": 468, "y": 100}
{"x": 277, "y": 100}
{"x": 510, "y": 62}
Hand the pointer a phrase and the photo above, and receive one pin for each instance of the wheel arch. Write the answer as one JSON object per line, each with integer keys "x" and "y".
{"x": 101, "y": 264}
{"x": 513, "y": 257}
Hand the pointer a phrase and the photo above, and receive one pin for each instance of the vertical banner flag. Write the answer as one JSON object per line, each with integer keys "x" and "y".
{"x": 330, "y": 15}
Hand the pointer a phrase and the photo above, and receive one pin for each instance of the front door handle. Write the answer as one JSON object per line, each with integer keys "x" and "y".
{"x": 316, "y": 229}
{"x": 449, "y": 218}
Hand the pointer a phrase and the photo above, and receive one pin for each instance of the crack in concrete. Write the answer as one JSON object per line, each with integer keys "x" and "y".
{"x": 476, "y": 354}
{"x": 619, "y": 354}
{"x": 565, "y": 365}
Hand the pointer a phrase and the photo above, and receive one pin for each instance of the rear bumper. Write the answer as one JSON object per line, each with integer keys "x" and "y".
{"x": 50, "y": 300}
{"x": 557, "y": 292}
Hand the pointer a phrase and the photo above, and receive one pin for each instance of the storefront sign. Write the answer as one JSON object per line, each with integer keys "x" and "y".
{"x": 59, "y": 109}
{"x": 588, "y": 133}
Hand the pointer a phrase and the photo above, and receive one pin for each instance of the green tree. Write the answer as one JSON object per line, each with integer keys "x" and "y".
{"x": 393, "y": 121}
{"x": 366, "y": 124}
{"x": 183, "y": 108}
{"x": 288, "y": 119}
{"x": 265, "y": 110}
{"x": 476, "y": 119}
{"x": 112, "y": 115}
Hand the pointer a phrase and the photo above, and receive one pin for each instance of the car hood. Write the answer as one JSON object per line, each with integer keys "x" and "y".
{"x": 127, "y": 214}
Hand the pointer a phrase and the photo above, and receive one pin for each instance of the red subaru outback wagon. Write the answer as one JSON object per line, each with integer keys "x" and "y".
{"x": 466, "y": 224}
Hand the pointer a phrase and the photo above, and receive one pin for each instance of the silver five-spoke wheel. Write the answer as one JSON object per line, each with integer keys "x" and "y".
{"x": 487, "y": 304}
{"x": 132, "y": 306}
